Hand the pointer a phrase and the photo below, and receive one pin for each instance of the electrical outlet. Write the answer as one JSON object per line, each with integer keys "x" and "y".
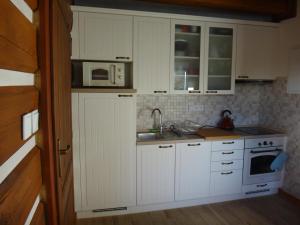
{"x": 196, "y": 108}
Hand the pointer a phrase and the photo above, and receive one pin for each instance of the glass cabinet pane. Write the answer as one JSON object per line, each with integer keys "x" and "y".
{"x": 187, "y": 48}
{"x": 220, "y": 52}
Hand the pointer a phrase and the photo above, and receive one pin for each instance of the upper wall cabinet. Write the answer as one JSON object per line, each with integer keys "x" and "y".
{"x": 220, "y": 54}
{"x": 151, "y": 55}
{"x": 105, "y": 36}
{"x": 257, "y": 52}
{"x": 187, "y": 57}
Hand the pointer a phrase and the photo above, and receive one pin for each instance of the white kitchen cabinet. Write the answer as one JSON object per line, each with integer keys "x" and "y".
{"x": 220, "y": 58}
{"x": 226, "y": 182}
{"x": 151, "y": 55}
{"x": 107, "y": 124}
{"x": 192, "y": 170}
{"x": 155, "y": 173}
{"x": 187, "y": 57}
{"x": 105, "y": 36}
{"x": 257, "y": 52}
{"x": 75, "y": 36}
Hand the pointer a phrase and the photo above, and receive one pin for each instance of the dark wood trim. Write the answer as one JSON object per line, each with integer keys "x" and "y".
{"x": 289, "y": 197}
{"x": 15, "y": 102}
{"x": 20, "y": 189}
{"x": 45, "y": 136}
{"x": 17, "y": 39}
{"x": 33, "y": 4}
{"x": 39, "y": 215}
{"x": 278, "y": 9}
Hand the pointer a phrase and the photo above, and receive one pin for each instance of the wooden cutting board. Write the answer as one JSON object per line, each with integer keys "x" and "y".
{"x": 217, "y": 134}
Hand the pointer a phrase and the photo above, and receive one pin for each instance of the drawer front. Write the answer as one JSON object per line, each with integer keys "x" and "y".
{"x": 261, "y": 188}
{"x": 227, "y": 155}
{"x": 227, "y": 165}
{"x": 226, "y": 182}
{"x": 228, "y": 145}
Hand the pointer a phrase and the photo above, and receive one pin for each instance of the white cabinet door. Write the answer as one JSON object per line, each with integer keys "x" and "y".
{"x": 257, "y": 52}
{"x": 220, "y": 58}
{"x": 192, "y": 170}
{"x": 151, "y": 55}
{"x": 105, "y": 36}
{"x": 75, "y": 36}
{"x": 107, "y": 150}
{"x": 226, "y": 182}
{"x": 155, "y": 173}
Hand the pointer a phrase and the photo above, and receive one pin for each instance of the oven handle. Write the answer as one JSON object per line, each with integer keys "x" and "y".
{"x": 257, "y": 152}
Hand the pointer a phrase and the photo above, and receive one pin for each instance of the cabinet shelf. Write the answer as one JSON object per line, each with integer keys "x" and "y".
{"x": 188, "y": 75}
{"x": 219, "y": 58}
{"x": 188, "y": 34}
{"x": 187, "y": 57}
{"x": 220, "y": 35}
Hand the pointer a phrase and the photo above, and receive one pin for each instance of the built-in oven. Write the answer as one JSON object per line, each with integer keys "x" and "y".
{"x": 258, "y": 157}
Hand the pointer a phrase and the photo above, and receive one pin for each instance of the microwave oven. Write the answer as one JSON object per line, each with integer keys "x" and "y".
{"x": 103, "y": 74}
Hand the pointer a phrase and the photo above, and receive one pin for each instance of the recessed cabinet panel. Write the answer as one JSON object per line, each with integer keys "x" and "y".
{"x": 257, "y": 52}
{"x": 155, "y": 173}
{"x": 187, "y": 40}
{"x": 105, "y": 36}
{"x": 107, "y": 125}
{"x": 151, "y": 55}
{"x": 192, "y": 170}
{"x": 220, "y": 58}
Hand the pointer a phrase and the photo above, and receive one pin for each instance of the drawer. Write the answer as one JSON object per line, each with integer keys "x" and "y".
{"x": 228, "y": 145}
{"x": 226, "y": 182}
{"x": 227, "y": 165}
{"x": 260, "y": 188}
{"x": 227, "y": 155}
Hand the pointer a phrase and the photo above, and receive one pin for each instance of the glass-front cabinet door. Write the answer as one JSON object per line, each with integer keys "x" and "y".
{"x": 220, "y": 51}
{"x": 187, "y": 57}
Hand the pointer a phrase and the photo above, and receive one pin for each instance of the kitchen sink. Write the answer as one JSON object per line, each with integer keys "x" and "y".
{"x": 149, "y": 136}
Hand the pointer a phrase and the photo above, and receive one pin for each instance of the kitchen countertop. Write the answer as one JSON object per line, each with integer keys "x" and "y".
{"x": 103, "y": 90}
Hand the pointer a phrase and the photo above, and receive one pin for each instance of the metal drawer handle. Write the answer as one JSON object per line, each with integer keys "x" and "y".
{"x": 257, "y": 152}
{"x": 160, "y": 92}
{"x": 261, "y": 185}
{"x": 229, "y": 163}
{"x": 212, "y": 92}
{"x": 228, "y": 143}
{"x": 190, "y": 145}
{"x": 243, "y": 77}
{"x": 169, "y": 146}
{"x": 194, "y": 92}
{"x": 125, "y": 96}
{"x": 227, "y": 153}
{"x": 227, "y": 173}
{"x": 122, "y": 57}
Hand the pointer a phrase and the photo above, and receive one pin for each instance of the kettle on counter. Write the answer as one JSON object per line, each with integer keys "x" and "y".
{"x": 226, "y": 121}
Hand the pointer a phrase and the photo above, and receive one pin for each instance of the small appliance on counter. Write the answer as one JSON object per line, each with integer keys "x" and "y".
{"x": 226, "y": 121}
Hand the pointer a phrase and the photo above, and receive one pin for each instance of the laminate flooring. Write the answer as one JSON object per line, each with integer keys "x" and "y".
{"x": 269, "y": 210}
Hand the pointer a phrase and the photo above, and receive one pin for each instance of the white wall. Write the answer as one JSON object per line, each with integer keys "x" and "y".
{"x": 289, "y": 38}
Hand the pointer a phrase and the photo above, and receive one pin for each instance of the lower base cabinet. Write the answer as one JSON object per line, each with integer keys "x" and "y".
{"x": 192, "y": 170}
{"x": 155, "y": 174}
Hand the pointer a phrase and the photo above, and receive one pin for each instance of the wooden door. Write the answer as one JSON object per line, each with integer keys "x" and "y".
{"x": 155, "y": 174}
{"x": 105, "y": 36}
{"x": 192, "y": 170}
{"x": 152, "y": 54}
{"x": 107, "y": 150}
{"x": 61, "y": 71}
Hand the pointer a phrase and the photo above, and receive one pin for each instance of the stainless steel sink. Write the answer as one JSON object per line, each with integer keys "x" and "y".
{"x": 148, "y": 136}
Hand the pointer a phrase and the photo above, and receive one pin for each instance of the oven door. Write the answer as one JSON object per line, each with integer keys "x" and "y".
{"x": 257, "y": 166}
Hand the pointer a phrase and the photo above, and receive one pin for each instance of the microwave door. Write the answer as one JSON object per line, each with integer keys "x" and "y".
{"x": 100, "y": 77}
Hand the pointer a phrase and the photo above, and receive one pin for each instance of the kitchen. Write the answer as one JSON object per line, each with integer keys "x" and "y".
{"x": 149, "y": 112}
{"x": 168, "y": 79}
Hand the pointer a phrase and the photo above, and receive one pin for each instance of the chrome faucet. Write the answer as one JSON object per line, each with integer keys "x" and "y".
{"x": 160, "y": 119}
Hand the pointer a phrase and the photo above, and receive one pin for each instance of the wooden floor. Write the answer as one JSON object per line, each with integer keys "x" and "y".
{"x": 259, "y": 211}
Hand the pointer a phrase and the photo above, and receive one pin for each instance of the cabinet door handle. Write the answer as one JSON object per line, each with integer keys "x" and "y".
{"x": 125, "y": 96}
{"x": 227, "y": 153}
{"x": 169, "y": 146}
{"x": 245, "y": 77}
{"x": 261, "y": 185}
{"x": 194, "y": 92}
{"x": 226, "y": 173}
{"x": 190, "y": 145}
{"x": 123, "y": 57}
{"x": 156, "y": 92}
{"x": 228, "y": 143}
{"x": 212, "y": 92}
{"x": 229, "y": 163}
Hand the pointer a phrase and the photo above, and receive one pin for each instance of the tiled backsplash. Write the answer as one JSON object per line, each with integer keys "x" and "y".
{"x": 244, "y": 106}
{"x": 280, "y": 110}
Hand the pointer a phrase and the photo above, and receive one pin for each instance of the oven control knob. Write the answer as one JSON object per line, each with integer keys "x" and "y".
{"x": 271, "y": 143}
{"x": 265, "y": 143}
{"x": 259, "y": 144}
